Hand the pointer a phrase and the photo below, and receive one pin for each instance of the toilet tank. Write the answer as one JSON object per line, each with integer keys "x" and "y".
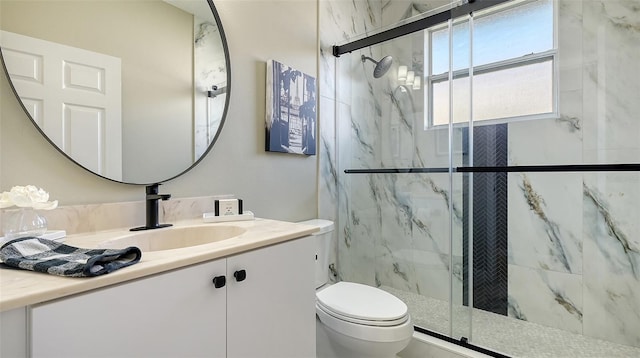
{"x": 323, "y": 245}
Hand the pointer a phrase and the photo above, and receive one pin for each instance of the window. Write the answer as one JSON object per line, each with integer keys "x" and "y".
{"x": 514, "y": 57}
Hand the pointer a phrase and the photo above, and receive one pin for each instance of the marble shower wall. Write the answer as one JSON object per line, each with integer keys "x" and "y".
{"x": 392, "y": 230}
{"x": 338, "y": 21}
{"x": 210, "y": 70}
{"x": 573, "y": 238}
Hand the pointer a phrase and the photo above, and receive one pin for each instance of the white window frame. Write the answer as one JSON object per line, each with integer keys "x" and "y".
{"x": 532, "y": 58}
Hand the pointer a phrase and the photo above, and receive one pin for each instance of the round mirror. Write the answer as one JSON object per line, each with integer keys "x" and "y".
{"x": 135, "y": 91}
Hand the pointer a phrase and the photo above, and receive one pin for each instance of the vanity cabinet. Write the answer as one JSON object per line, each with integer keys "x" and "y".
{"x": 263, "y": 307}
{"x": 13, "y": 333}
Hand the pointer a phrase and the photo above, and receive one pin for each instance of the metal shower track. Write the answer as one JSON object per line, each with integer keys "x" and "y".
{"x": 414, "y": 26}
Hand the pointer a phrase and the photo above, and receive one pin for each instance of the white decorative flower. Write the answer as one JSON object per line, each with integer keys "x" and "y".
{"x": 27, "y": 197}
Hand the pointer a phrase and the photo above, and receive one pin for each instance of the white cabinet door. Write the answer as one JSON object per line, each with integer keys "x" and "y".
{"x": 271, "y": 313}
{"x": 176, "y": 314}
{"x": 13, "y": 333}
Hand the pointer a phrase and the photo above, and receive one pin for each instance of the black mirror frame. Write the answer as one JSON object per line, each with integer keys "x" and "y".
{"x": 225, "y": 46}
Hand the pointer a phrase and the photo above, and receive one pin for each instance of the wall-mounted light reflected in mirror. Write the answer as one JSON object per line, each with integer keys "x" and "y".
{"x": 410, "y": 78}
{"x": 402, "y": 73}
{"x": 416, "y": 83}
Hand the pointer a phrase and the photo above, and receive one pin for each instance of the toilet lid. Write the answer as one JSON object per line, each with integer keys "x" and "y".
{"x": 361, "y": 302}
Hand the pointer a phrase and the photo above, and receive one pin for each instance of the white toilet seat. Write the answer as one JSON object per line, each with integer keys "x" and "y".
{"x": 367, "y": 322}
{"x": 350, "y": 300}
{"x": 363, "y": 312}
{"x": 364, "y": 332}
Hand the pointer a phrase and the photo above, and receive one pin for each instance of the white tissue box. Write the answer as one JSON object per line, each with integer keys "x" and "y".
{"x": 226, "y": 207}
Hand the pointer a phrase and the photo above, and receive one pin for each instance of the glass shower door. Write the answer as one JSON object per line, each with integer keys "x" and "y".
{"x": 448, "y": 86}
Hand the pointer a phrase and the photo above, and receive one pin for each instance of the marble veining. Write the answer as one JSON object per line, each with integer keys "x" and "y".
{"x": 567, "y": 304}
{"x": 615, "y": 232}
{"x": 612, "y": 287}
{"x": 557, "y": 302}
{"x": 536, "y": 204}
{"x": 573, "y": 123}
{"x": 328, "y": 176}
{"x": 514, "y": 309}
{"x": 209, "y": 70}
{"x": 573, "y": 248}
{"x": 358, "y": 134}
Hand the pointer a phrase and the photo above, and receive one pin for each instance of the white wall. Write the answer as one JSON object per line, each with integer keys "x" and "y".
{"x": 273, "y": 185}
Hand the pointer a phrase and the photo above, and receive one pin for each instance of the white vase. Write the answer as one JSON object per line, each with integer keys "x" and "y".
{"x": 23, "y": 222}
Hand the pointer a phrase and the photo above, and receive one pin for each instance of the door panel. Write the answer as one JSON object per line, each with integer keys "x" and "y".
{"x": 174, "y": 314}
{"x": 60, "y": 77}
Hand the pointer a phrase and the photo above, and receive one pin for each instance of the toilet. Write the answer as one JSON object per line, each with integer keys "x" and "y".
{"x": 352, "y": 319}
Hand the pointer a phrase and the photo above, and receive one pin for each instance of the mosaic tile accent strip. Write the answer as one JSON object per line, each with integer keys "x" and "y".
{"x": 490, "y": 271}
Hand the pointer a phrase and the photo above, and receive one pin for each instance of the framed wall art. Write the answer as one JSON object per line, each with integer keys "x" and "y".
{"x": 291, "y": 110}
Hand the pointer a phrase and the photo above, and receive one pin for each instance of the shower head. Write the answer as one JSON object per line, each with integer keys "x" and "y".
{"x": 382, "y": 66}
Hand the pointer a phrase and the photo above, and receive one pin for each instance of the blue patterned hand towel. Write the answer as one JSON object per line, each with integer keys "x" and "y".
{"x": 47, "y": 256}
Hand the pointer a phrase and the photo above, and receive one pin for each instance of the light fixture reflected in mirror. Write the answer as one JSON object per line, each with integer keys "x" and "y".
{"x": 416, "y": 83}
{"x": 410, "y": 77}
{"x": 402, "y": 73}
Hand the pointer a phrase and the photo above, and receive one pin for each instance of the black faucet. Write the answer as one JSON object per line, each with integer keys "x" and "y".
{"x": 152, "y": 208}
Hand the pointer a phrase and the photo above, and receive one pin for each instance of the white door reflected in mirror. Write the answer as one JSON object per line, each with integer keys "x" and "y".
{"x": 77, "y": 105}
{"x": 171, "y": 53}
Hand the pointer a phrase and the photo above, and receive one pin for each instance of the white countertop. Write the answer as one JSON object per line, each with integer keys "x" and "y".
{"x": 20, "y": 288}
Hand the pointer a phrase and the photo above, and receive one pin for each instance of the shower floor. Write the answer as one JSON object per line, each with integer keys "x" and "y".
{"x": 506, "y": 335}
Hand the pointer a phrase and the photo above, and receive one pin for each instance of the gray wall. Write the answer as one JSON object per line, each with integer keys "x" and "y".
{"x": 273, "y": 185}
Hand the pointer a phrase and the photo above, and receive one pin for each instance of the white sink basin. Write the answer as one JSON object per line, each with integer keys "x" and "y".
{"x": 174, "y": 237}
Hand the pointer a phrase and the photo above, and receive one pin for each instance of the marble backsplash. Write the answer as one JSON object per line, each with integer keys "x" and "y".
{"x": 77, "y": 219}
